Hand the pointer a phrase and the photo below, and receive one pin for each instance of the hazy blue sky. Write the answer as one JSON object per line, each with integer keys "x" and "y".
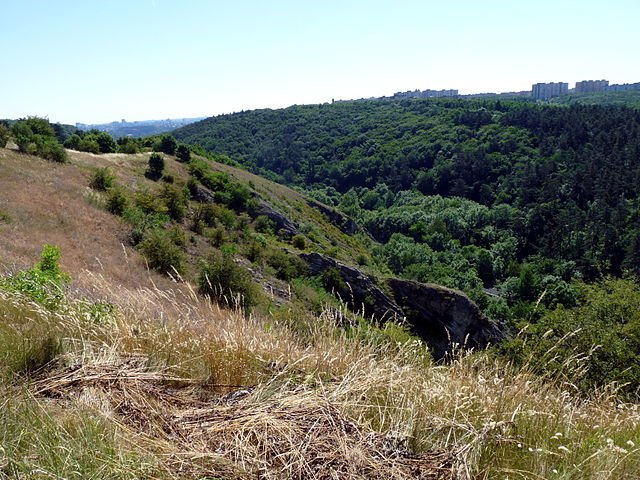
{"x": 98, "y": 61}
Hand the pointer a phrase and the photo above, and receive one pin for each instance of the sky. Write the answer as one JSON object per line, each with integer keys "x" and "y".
{"x": 96, "y": 61}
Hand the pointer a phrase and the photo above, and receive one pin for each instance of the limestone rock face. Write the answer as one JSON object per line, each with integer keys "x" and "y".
{"x": 281, "y": 221}
{"x": 441, "y": 316}
{"x": 360, "y": 291}
{"x": 343, "y": 222}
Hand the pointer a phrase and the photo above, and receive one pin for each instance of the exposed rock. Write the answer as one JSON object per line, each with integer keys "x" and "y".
{"x": 281, "y": 221}
{"x": 360, "y": 291}
{"x": 443, "y": 317}
{"x": 345, "y": 223}
{"x": 203, "y": 195}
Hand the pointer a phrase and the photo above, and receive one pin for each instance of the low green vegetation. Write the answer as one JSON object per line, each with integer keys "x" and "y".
{"x": 596, "y": 342}
{"x": 92, "y": 141}
{"x": 102, "y": 179}
{"x": 226, "y": 282}
{"x": 4, "y": 134}
{"x": 44, "y": 283}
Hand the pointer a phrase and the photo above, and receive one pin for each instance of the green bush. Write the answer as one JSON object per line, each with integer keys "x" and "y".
{"x": 117, "y": 201}
{"x": 4, "y": 135}
{"x": 161, "y": 253}
{"x": 175, "y": 200}
{"x": 591, "y": 345}
{"x": 183, "y": 153}
{"x": 332, "y": 280}
{"x": 299, "y": 242}
{"x": 167, "y": 144}
{"x": 286, "y": 267}
{"x": 229, "y": 284}
{"x": 128, "y": 145}
{"x": 36, "y": 136}
{"x": 44, "y": 283}
{"x": 156, "y": 166}
{"x": 102, "y": 179}
{"x": 264, "y": 224}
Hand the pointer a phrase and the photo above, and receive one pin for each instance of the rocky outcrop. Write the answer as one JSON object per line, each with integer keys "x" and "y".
{"x": 359, "y": 291}
{"x": 345, "y": 223}
{"x": 442, "y": 317}
{"x": 203, "y": 195}
{"x": 281, "y": 221}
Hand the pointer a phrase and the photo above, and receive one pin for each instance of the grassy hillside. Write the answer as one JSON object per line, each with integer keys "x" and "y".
{"x": 524, "y": 207}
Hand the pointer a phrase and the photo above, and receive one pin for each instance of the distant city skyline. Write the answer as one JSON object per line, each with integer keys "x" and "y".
{"x": 96, "y": 62}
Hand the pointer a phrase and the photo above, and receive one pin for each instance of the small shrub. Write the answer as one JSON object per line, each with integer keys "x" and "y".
{"x": 156, "y": 167}
{"x": 264, "y": 224}
{"x": 255, "y": 248}
{"x": 286, "y": 267}
{"x": 43, "y": 283}
{"x": 332, "y": 280}
{"x": 4, "y": 135}
{"x": 117, "y": 201}
{"x": 167, "y": 145}
{"x": 161, "y": 253}
{"x": 128, "y": 145}
{"x": 175, "y": 201}
{"x": 229, "y": 284}
{"x": 4, "y": 217}
{"x": 183, "y": 153}
{"x": 299, "y": 242}
{"x": 217, "y": 236}
{"x": 102, "y": 179}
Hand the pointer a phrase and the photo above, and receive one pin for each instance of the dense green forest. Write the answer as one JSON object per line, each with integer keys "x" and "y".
{"x": 515, "y": 203}
{"x": 519, "y": 181}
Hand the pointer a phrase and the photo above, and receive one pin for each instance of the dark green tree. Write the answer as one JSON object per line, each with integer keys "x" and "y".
{"x": 183, "y": 153}
{"x": 156, "y": 166}
{"x": 168, "y": 144}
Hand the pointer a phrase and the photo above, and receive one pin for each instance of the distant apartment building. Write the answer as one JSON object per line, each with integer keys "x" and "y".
{"x": 590, "y": 86}
{"x": 545, "y": 91}
{"x": 426, "y": 94}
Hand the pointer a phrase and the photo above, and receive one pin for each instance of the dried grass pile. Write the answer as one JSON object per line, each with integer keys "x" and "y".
{"x": 268, "y": 432}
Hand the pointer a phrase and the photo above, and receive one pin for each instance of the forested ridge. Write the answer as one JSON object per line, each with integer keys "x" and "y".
{"x": 562, "y": 180}
{"x": 520, "y": 205}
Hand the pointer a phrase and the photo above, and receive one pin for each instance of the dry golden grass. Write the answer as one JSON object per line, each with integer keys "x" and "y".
{"x": 210, "y": 389}
{"x": 47, "y": 204}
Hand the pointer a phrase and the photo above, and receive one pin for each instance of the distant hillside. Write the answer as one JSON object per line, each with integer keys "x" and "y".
{"x": 514, "y": 203}
{"x": 568, "y": 175}
{"x": 141, "y": 128}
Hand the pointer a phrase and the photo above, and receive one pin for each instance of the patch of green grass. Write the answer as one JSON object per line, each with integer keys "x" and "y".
{"x": 42, "y": 441}
{"x": 4, "y": 217}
